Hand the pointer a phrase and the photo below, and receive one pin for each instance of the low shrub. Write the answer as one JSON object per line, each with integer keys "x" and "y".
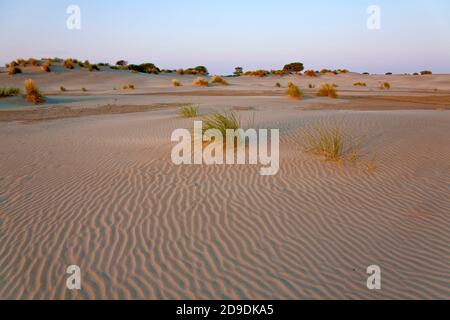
{"x": 176, "y": 83}
{"x": 360, "y": 84}
{"x": 12, "y": 70}
{"x": 9, "y": 92}
{"x": 327, "y": 90}
{"x": 293, "y": 91}
{"x": 425, "y": 72}
{"x": 310, "y": 73}
{"x": 200, "y": 82}
{"x": 188, "y": 111}
{"x": 219, "y": 80}
{"x": 33, "y": 93}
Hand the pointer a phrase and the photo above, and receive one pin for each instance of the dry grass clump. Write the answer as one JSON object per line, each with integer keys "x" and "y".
{"x": 83, "y": 89}
{"x": 220, "y": 80}
{"x": 176, "y": 83}
{"x": 188, "y": 111}
{"x": 62, "y": 89}
{"x": 385, "y": 86}
{"x": 426, "y": 72}
{"x": 327, "y": 90}
{"x": 128, "y": 87}
{"x": 9, "y": 92}
{"x": 12, "y": 69}
{"x": 278, "y": 85}
{"x": 360, "y": 84}
{"x": 258, "y": 73}
{"x": 310, "y": 73}
{"x": 221, "y": 122}
{"x": 333, "y": 143}
{"x": 33, "y": 94}
{"x": 68, "y": 63}
{"x": 294, "y": 91}
{"x": 46, "y": 66}
{"x": 200, "y": 82}
{"x": 33, "y": 62}
{"x": 311, "y": 86}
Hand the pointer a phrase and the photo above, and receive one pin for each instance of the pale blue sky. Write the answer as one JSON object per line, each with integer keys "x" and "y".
{"x": 415, "y": 34}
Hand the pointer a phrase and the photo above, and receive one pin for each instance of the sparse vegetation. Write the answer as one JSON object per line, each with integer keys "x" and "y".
{"x": 188, "y": 111}
{"x": 258, "y": 73}
{"x": 278, "y": 85}
{"x": 221, "y": 122}
{"x": 9, "y": 92}
{"x": 310, "y": 73}
{"x": 83, "y": 89}
{"x": 46, "y": 66}
{"x": 293, "y": 91}
{"x": 176, "y": 83}
{"x": 332, "y": 143}
{"x": 385, "y": 86}
{"x": 360, "y": 84}
{"x": 33, "y": 94}
{"x": 33, "y": 62}
{"x": 62, "y": 89}
{"x": 128, "y": 87}
{"x": 294, "y": 67}
{"x": 426, "y": 72}
{"x": 389, "y": 73}
{"x": 219, "y": 79}
{"x": 311, "y": 86}
{"x": 238, "y": 71}
{"x": 68, "y": 63}
{"x": 12, "y": 70}
{"x": 200, "y": 82}
{"x": 327, "y": 90}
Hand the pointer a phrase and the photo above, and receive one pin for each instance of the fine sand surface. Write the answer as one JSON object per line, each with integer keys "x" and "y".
{"x": 98, "y": 189}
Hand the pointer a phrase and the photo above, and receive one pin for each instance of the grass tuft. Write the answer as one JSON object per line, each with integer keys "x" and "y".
{"x": 327, "y": 90}
{"x": 221, "y": 122}
{"x": 360, "y": 84}
{"x": 128, "y": 87}
{"x": 219, "y": 80}
{"x": 293, "y": 91}
{"x": 385, "y": 86}
{"x": 176, "y": 83}
{"x": 332, "y": 143}
{"x": 32, "y": 92}
{"x": 188, "y": 111}
{"x": 9, "y": 92}
{"x": 62, "y": 89}
{"x": 200, "y": 82}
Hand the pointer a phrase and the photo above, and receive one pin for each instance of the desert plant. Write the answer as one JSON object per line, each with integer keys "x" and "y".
{"x": 33, "y": 62}
{"x": 294, "y": 67}
{"x": 385, "y": 86}
{"x": 238, "y": 71}
{"x": 293, "y": 91}
{"x": 83, "y": 89}
{"x": 12, "y": 70}
{"x": 32, "y": 92}
{"x": 9, "y": 92}
{"x": 200, "y": 82}
{"x": 258, "y": 73}
{"x": 278, "y": 85}
{"x": 68, "y": 63}
{"x": 219, "y": 79}
{"x": 46, "y": 66}
{"x": 21, "y": 62}
{"x": 121, "y": 63}
{"x": 389, "y": 73}
{"x": 360, "y": 84}
{"x": 327, "y": 90}
{"x": 426, "y": 72}
{"x": 332, "y": 143}
{"x": 188, "y": 111}
{"x": 176, "y": 83}
{"x": 311, "y": 86}
{"x": 310, "y": 73}
{"x": 221, "y": 122}
{"x": 128, "y": 86}
{"x": 62, "y": 89}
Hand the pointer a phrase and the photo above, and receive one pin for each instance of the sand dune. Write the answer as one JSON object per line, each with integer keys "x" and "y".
{"x": 102, "y": 193}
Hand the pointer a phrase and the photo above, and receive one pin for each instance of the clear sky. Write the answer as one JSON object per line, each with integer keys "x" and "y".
{"x": 414, "y": 34}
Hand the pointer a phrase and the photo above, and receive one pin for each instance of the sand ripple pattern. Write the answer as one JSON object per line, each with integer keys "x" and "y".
{"x": 103, "y": 194}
